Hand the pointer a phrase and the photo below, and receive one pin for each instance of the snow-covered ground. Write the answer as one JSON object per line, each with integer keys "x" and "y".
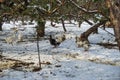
{"x": 68, "y": 62}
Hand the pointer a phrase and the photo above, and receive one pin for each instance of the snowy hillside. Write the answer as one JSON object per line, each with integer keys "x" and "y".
{"x": 67, "y": 61}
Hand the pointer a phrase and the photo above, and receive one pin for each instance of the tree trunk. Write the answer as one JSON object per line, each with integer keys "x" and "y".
{"x": 41, "y": 28}
{"x": 63, "y": 24}
{"x": 95, "y": 31}
{"x": 114, "y": 7}
{"x": 79, "y": 24}
{"x": 84, "y": 36}
{"x": 0, "y": 25}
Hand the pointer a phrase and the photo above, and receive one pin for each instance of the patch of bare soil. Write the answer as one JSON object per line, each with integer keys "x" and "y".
{"x": 7, "y": 63}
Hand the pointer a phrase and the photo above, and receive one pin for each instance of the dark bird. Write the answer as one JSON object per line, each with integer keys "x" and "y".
{"x": 53, "y": 42}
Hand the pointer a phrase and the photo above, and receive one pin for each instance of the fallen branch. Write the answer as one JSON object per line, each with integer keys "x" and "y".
{"x": 107, "y": 45}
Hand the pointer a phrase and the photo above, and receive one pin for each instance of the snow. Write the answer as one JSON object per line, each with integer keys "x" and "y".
{"x": 68, "y": 62}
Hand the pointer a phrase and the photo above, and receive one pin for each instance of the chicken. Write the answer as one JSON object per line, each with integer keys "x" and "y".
{"x": 20, "y": 37}
{"x": 79, "y": 42}
{"x": 10, "y": 39}
{"x": 85, "y": 44}
{"x": 60, "y": 38}
{"x": 15, "y": 29}
{"x": 53, "y": 42}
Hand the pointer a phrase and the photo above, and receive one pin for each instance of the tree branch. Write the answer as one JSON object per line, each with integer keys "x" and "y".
{"x": 92, "y": 29}
{"x": 83, "y": 9}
